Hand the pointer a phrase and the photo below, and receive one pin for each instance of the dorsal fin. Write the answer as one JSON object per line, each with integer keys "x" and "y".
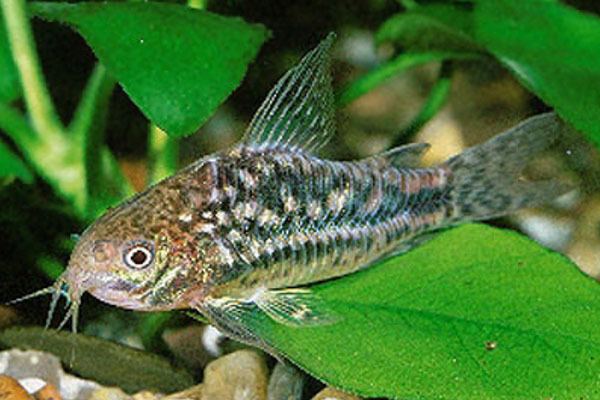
{"x": 407, "y": 156}
{"x": 298, "y": 112}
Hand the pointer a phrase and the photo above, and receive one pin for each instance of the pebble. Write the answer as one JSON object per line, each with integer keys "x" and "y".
{"x": 146, "y": 395}
{"x": 10, "y": 389}
{"x": 8, "y": 316}
{"x": 109, "y": 393}
{"x": 193, "y": 393}
{"x": 286, "y": 383}
{"x": 187, "y": 344}
{"x": 48, "y": 392}
{"x": 584, "y": 249}
{"x": 32, "y": 384}
{"x": 237, "y": 376}
{"x": 41, "y": 374}
{"x": 444, "y": 135}
{"x": 330, "y": 393}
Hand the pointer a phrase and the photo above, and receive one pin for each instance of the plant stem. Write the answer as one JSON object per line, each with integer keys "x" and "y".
{"x": 376, "y": 77}
{"x": 88, "y": 127}
{"x": 197, "y": 4}
{"x": 94, "y": 99}
{"x": 151, "y": 327}
{"x": 39, "y": 104}
{"x": 53, "y": 160}
{"x": 408, "y": 4}
{"x": 197, "y": 316}
{"x": 47, "y": 146}
{"x": 163, "y": 153}
{"x": 105, "y": 183}
{"x": 434, "y": 102}
{"x": 16, "y": 127}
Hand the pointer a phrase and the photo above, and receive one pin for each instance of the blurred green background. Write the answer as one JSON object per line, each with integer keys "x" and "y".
{"x": 404, "y": 71}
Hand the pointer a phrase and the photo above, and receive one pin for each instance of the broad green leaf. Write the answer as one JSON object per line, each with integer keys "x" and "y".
{"x": 476, "y": 313}
{"x": 105, "y": 362}
{"x": 553, "y": 49}
{"x": 441, "y": 27}
{"x": 10, "y": 88}
{"x": 12, "y": 165}
{"x": 176, "y": 63}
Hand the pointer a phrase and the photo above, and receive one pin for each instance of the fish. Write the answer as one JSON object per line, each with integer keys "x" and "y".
{"x": 249, "y": 228}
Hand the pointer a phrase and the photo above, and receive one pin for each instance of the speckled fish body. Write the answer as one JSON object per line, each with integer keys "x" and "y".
{"x": 247, "y": 228}
{"x": 280, "y": 219}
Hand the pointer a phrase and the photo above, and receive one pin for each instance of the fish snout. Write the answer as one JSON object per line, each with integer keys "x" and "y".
{"x": 77, "y": 281}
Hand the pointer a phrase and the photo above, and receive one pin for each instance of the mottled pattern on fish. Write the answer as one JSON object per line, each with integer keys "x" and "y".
{"x": 246, "y": 229}
{"x": 284, "y": 219}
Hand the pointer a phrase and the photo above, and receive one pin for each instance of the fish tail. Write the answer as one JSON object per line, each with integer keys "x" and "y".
{"x": 486, "y": 180}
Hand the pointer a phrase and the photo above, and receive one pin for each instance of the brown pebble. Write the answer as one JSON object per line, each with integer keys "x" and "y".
{"x": 147, "y": 395}
{"x": 8, "y": 316}
{"x": 109, "y": 393}
{"x": 48, "y": 392}
{"x": 330, "y": 393}
{"x": 10, "y": 389}
{"x": 239, "y": 375}
{"x": 193, "y": 393}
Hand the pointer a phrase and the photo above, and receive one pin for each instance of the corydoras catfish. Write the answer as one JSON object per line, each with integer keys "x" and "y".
{"x": 251, "y": 226}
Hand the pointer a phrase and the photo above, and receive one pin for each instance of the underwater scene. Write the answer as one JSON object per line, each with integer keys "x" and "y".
{"x": 391, "y": 199}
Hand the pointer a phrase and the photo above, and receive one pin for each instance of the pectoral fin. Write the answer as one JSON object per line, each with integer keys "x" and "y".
{"x": 241, "y": 319}
{"x": 236, "y": 319}
{"x": 294, "y": 307}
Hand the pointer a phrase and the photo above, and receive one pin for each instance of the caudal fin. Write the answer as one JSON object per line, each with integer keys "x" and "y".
{"x": 486, "y": 179}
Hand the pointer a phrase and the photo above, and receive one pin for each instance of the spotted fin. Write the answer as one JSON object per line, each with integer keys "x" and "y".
{"x": 298, "y": 112}
{"x": 407, "y": 156}
{"x": 240, "y": 319}
{"x": 236, "y": 319}
{"x": 485, "y": 180}
{"x": 294, "y": 307}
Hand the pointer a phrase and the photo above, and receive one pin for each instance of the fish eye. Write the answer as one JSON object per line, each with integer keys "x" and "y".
{"x": 139, "y": 255}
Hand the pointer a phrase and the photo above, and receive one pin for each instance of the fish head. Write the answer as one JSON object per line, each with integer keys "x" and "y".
{"x": 148, "y": 254}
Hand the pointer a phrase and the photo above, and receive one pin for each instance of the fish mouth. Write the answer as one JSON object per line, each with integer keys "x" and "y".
{"x": 120, "y": 293}
{"x": 119, "y": 298}
{"x": 104, "y": 286}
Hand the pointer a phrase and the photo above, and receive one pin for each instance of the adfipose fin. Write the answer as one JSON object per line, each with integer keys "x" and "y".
{"x": 407, "y": 156}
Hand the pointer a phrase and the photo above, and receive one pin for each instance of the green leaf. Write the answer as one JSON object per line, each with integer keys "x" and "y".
{"x": 12, "y": 165}
{"x": 385, "y": 71}
{"x": 441, "y": 27}
{"x": 130, "y": 369}
{"x": 176, "y": 63}
{"x": 553, "y": 49}
{"x": 476, "y": 313}
{"x": 10, "y": 89}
